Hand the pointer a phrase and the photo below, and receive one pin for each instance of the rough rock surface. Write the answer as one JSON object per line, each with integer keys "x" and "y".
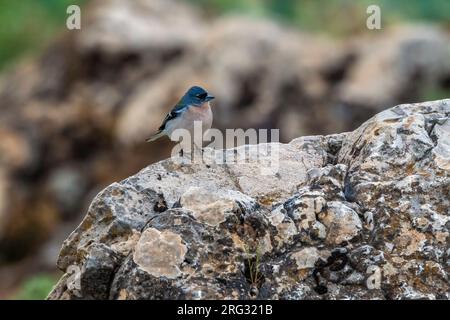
{"x": 359, "y": 215}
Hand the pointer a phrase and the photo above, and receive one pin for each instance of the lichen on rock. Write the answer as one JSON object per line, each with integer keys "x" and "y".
{"x": 358, "y": 215}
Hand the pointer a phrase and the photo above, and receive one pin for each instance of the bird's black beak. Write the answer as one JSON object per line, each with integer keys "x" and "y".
{"x": 209, "y": 98}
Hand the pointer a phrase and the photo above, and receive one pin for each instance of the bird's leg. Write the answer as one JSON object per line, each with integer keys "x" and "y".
{"x": 185, "y": 157}
{"x": 197, "y": 150}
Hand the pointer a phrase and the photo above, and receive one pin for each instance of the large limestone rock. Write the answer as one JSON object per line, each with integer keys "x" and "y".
{"x": 358, "y": 215}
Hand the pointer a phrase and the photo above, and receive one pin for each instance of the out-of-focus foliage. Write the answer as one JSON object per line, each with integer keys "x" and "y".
{"x": 335, "y": 17}
{"x": 36, "y": 287}
{"x": 28, "y": 25}
{"x": 432, "y": 93}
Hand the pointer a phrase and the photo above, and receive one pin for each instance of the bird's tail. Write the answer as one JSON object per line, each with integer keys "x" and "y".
{"x": 155, "y": 136}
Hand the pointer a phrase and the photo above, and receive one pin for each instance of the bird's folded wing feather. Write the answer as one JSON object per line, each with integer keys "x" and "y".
{"x": 174, "y": 113}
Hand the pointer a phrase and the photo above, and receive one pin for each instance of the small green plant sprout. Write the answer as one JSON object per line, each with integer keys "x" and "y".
{"x": 252, "y": 265}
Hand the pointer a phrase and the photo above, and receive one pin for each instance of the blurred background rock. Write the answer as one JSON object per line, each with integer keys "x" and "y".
{"x": 76, "y": 106}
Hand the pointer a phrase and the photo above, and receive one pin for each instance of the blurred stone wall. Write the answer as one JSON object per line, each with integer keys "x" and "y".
{"x": 76, "y": 118}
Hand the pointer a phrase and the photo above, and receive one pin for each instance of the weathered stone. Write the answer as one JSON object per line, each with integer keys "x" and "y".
{"x": 212, "y": 208}
{"x": 97, "y": 272}
{"x": 366, "y": 217}
{"x": 342, "y": 222}
{"x": 160, "y": 253}
{"x": 306, "y": 258}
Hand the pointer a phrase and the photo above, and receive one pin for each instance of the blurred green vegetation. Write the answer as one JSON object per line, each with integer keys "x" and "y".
{"x": 334, "y": 17}
{"x": 26, "y": 26}
{"x": 431, "y": 93}
{"x": 36, "y": 287}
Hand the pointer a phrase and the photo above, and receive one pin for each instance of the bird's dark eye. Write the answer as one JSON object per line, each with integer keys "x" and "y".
{"x": 201, "y": 95}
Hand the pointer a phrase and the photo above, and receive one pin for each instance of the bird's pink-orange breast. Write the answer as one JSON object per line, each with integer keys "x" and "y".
{"x": 202, "y": 113}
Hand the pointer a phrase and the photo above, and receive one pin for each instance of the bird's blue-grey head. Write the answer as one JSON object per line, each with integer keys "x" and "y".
{"x": 196, "y": 96}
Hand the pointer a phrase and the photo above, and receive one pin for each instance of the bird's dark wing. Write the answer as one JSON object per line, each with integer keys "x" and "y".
{"x": 174, "y": 113}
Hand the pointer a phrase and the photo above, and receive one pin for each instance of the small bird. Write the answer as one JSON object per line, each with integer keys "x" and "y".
{"x": 193, "y": 106}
